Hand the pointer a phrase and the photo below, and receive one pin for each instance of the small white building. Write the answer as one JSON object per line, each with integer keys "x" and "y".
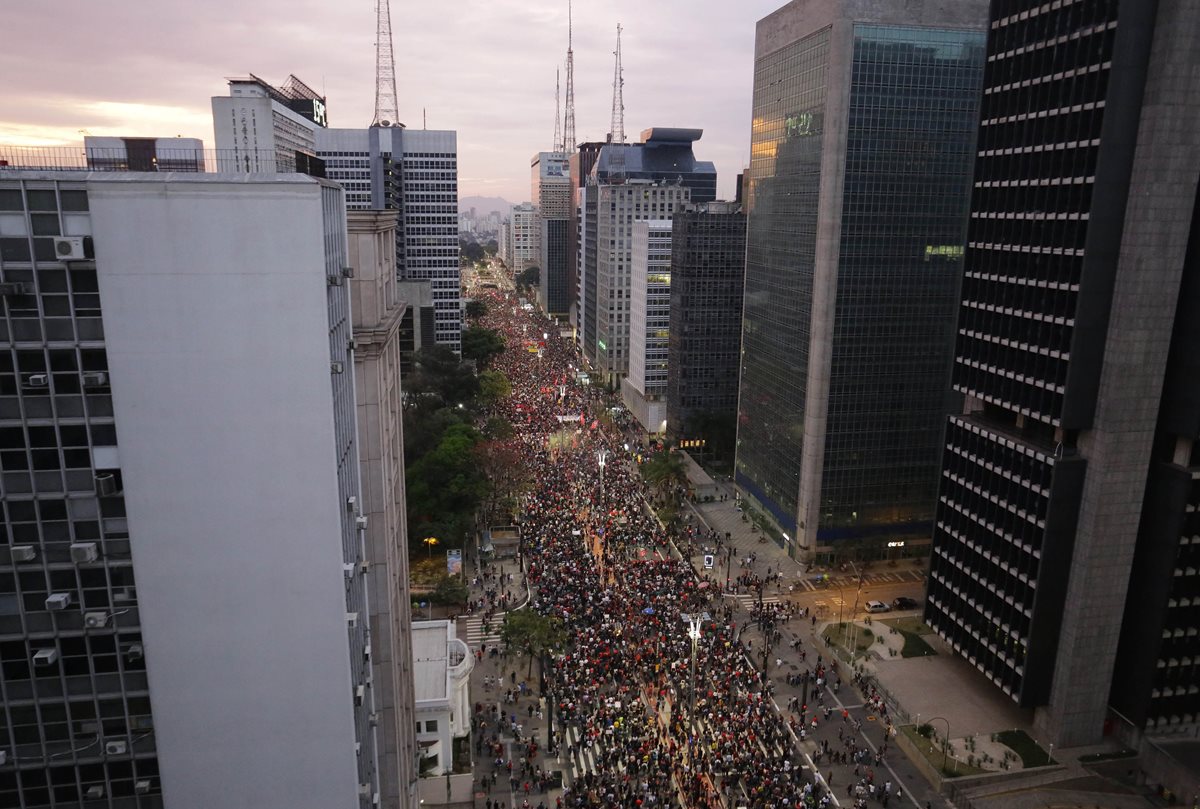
{"x": 442, "y": 667}
{"x": 644, "y": 388}
{"x": 526, "y": 237}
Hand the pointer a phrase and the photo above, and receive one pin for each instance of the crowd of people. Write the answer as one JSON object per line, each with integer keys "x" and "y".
{"x": 652, "y": 715}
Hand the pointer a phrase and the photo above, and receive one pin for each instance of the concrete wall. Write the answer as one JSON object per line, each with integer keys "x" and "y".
{"x": 214, "y": 295}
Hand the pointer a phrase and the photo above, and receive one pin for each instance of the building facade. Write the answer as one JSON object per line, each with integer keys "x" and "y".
{"x": 378, "y": 316}
{"x": 551, "y": 193}
{"x": 1071, "y": 323}
{"x": 144, "y": 544}
{"x": 644, "y": 388}
{"x": 708, "y": 267}
{"x": 259, "y": 127}
{"x": 581, "y": 163}
{"x": 525, "y": 237}
{"x": 144, "y": 154}
{"x": 858, "y": 189}
{"x": 414, "y": 172}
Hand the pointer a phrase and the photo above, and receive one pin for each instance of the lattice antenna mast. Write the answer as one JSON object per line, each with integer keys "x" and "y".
{"x": 617, "y": 129}
{"x": 558, "y": 138}
{"x": 569, "y": 114}
{"x": 386, "y": 111}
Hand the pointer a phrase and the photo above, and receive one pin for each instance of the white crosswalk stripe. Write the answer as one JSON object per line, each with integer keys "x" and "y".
{"x": 747, "y": 600}
{"x": 583, "y": 761}
{"x": 474, "y": 634}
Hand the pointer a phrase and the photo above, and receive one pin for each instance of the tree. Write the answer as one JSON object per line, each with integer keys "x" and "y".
{"x": 470, "y": 250}
{"x": 503, "y": 463}
{"x": 493, "y": 386}
{"x": 533, "y": 634}
{"x": 445, "y": 488}
{"x": 442, "y": 374}
{"x": 529, "y": 277}
{"x": 476, "y": 309}
{"x": 665, "y": 471}
{"x": 498, "y": 427}
{"x": 491, "y": 247}
{"x": 449, "y": 591}
{"x": 481, "y": 344}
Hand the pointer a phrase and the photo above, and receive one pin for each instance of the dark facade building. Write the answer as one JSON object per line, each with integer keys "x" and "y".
{"x": 857, "y": 194}
{"x": 708, "y": 264}
{"x": 580, "y": 166}
{"x": 1084, "y": 193}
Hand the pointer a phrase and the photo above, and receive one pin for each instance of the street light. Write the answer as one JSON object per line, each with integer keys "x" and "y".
{"x": 429, "y": 543}
{"x": 602, "y": 460}
{"x": 946, "y": 740}
{"x": 694, "y": 622}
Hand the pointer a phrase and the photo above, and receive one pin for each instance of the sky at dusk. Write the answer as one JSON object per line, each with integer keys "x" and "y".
{"x": 482, "y": 67}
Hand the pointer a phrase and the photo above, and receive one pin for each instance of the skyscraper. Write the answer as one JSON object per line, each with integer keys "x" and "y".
{"x": 524, "y": 247}
{"x": 1083, "y": 222}
{"x": 414, "y": 171}
{"x": 863, "y": 134}
{"x": 144, "y": 542}
{"x": 643, "y": 389}
{"x": 259, "y": 127}
{"x": 551, "y": 194}
{"x": 708, "y": 268}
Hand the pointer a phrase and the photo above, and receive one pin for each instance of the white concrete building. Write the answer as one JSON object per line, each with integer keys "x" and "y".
{"x": 442, "y": 667}
{"x": 525, "y": 236}
{"x": 644, "y": 388}
{"x": 413, "y": 171}
{"x": 550, "y": 181}
{"x": 258, "y": 127}
{"x": 144, "y": 154}
{"x": 207, "y": 557}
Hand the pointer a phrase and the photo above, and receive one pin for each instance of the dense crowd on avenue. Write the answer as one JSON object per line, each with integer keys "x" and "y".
{"x": 664, "y": 719}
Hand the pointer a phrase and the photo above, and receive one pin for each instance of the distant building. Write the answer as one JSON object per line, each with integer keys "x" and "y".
{"x": 144, "y": 154}
{"x": 525, "y": 237}
{"x": 1066, "y": 561}
{"x": 378, "y": 312}
{"x": 857, "y": 195}
{"x": 191, "y": 375}
{"x": 414, "y": 171}
{"x": 504, "y": 243}
{"x": 708, "y": 266}
{"x": 259, "y": 127}
{"x": 644, "y": 388}
{"x": 551, "y": 194}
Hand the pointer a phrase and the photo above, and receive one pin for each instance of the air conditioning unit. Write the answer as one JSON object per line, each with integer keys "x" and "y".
{"x": 364, "y": 790}
{"x": 115, "y": 748}
{"x": 95, "y": 379}
{"x": 361, "y": 522}
{"x": 374, "y": 720}
{"x": 58, "y": 601}
{"x": 15, "y": 288}
{"x": 95, "y": 793}
{"x": 89, "y": 728}
{"x": 38, "y": 381}
{"x": 95, "y": 620}
{"x": 45, "y": 657}
{"x": 23, "y": 553}
{"x": 348, "y": 272}
{"x": 352, "y": 619}
{"x": 335, "y": 280}
{"x": 82, "y": 552}
{"x": 124, "y": 594}
{"x": 351, "y": 344}
{"x": 364, "y": 566}
{"x": 360, "y": 695}
{"x": 337, "y": 367}
{"x": 106, "y": 484}
{"x": 367, "y": 652}
{"x": 348, "y": 570}
{"x": 351, "y": 502}
{"x": 134, "y": 651}
{"x": 375, "y": 799}
{"x": 141, "y": 787}
{"x": 68, "y": 248}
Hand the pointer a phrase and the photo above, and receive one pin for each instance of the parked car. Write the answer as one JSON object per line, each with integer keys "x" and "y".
{"x": 877, "y": 606}
{"x": 905, "y": 603}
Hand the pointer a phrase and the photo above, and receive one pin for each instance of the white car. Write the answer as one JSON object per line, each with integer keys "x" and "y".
{"x": 877, "y": 606}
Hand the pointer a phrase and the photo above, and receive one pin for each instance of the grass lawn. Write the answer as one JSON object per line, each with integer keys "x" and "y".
{"x": 1094, "y": 757}
{"x": 1031, "y": 753}
{"x": 841, "y": 634}
{"x": 954, "y": 766}
{"x": 915, "y": 646}
{"x": 911, "y": 624}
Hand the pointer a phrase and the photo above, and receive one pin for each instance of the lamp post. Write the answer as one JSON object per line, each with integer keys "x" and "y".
{"x": 945, "y": 740}
{"x": 694, "y": 622}
{"x": 429, "y": 543}
{"x": 601, "y": 461}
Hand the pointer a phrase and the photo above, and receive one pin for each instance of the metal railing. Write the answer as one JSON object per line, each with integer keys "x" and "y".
{"x": 91, "y": 158}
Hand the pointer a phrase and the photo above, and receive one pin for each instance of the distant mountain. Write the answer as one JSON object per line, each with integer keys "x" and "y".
{"x": 484, "y": 205}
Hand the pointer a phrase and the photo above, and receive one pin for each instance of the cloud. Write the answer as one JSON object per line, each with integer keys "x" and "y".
{"x": 482, "y": 67}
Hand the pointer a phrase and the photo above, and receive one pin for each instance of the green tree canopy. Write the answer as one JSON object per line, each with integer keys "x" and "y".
{"x": 445, "y": 488}
{"x": 481, "y": 344}
{"x": 498, "y": 427}
{"x": 450, "y": 591}
{"x": 529, "y": 277}
{"x": 533, "y": 634}
{"x": 470, "y": 249}
{"x": 665, "y": 471}
{"x": 476, "y": 309}
{"x": 493, "y": 386}
{"x": 442, "y": 376}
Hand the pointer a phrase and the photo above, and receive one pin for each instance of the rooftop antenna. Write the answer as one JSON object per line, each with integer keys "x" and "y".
{"x": 558, "y": 138}
{"x": 385, "y": 68}
{"x": 616, "y": 132}
{"x": 569, "y": 115}
{"x": 424, "y": 119}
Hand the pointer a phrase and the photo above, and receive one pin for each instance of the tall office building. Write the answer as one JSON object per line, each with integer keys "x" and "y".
{"x": 708, "y": 268}
{"x": 414, "y": 171}
{"x": 259, "y": 127}
{"x": 525, "y": 232}
{"x": 662, "y": 161}
{"x": 378, "y": 314}
{"x": 182, "y": 608}
{"x": 644, "y": 388}
{"x": 504, "y": 242}
{"x": 859, "y": 185}
{"x": 1082, "y": 221}
{"x": 580, "y": 165}
{"x": 551, "y": 194}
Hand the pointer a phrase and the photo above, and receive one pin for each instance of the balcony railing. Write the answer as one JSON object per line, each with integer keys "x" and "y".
{"x": 84, "y": 158}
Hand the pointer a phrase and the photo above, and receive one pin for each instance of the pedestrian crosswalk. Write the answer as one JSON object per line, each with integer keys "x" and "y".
{"x": 748, "y": 600}
{"x": 475, "y": 633}
{"x": 583, "y": 760}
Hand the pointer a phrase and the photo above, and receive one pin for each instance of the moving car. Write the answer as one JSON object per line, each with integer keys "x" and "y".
{"x": 905, "y": 603}
{"x": 877, "y": 606}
